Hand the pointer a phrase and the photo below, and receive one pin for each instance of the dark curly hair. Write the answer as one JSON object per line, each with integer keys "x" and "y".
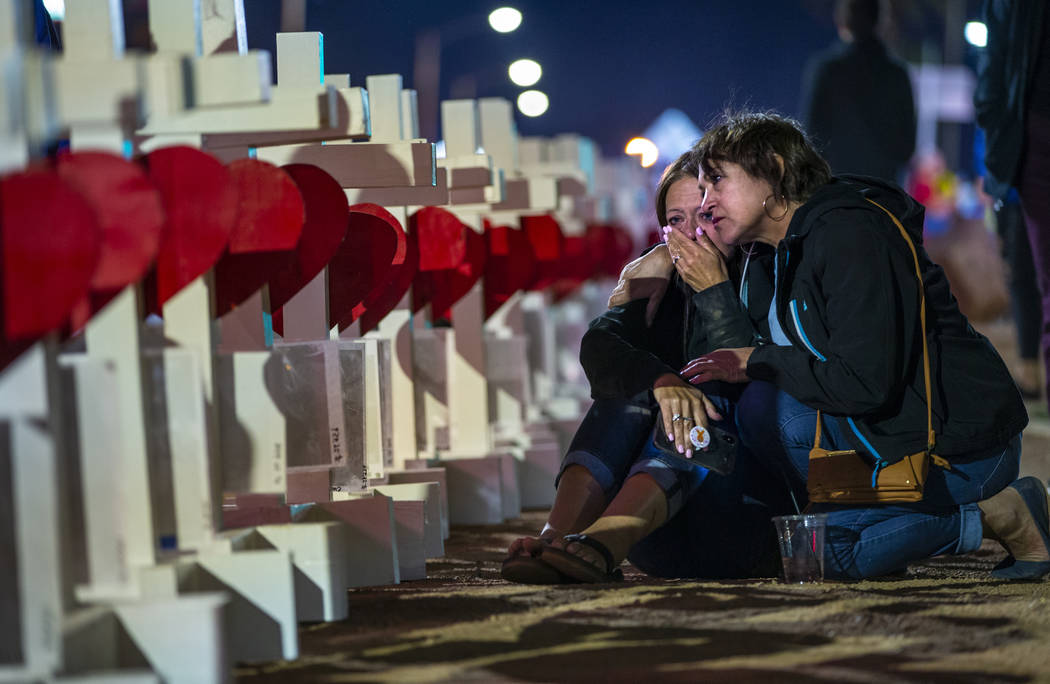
{"x": 753, "y": 140}
{"x": 683, "y": 167}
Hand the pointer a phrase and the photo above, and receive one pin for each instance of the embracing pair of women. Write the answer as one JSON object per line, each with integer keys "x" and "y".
{"x": 780, "y": 292}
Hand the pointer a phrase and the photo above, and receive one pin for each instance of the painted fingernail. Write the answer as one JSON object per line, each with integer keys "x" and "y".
{"x": 670, "y": 436}
{"x": 681, "y": 449}
{"x": 688, "y": 453}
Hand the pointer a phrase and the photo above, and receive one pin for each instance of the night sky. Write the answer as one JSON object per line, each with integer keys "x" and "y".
{"x": 610, "y": 68}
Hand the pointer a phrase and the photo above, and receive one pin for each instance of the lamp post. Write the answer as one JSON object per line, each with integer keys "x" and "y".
{"x": 426, "y": 73}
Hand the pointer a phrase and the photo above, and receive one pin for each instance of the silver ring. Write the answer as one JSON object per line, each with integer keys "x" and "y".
{"x": 676, "y": 417}
{"x": 675, "y": 258}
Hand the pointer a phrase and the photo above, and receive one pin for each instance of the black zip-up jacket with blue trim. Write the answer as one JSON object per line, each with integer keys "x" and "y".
{"x": 622, "y": 357}
{"x": 847, "y": 298}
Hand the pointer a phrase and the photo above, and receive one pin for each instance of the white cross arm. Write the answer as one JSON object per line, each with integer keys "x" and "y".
{"x": 417, "y": 196}
{"x": 351, "y": 121}
{"x": 226, "y": 79}
{"x": 469, "y": 171}
{"x": 538, "y": 194}
{"x": 83, "y": 97}
{"x": 480, "y": 195}
{"x": 363, "y": 165}
{"x": 312, "y": 109}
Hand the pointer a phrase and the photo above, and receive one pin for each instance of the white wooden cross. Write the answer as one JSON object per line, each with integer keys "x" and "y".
{"x": 40, "y": 487}
{"x": 100, "y": 94}
{"x": 339, "y": 380}
{"x": 92, "y": 65}
{"x": 394, "y": 169}
{"x": 31, "y": 531}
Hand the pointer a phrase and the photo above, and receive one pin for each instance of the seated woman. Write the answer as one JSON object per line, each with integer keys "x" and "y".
{"x": 615, "y": 487}
{"x": 846, "y": 332}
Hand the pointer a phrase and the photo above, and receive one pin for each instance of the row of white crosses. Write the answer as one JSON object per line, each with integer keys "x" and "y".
{"x": 123, "y": 568}
{"x": 235, "y": 593}
{"x": 59, "y": 629}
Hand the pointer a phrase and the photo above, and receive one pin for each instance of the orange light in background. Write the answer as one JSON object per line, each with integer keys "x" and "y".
{"x": 645, "y": 149}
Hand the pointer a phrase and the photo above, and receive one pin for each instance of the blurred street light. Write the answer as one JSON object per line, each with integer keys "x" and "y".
{"x": 524, "y": 72}
{"x": 505, "y": 19}
{"x": 426, "y": 75}
{"x": 645, "y": 149}
{"x": 976, "y": 34}
{"x": 533, "y": 103}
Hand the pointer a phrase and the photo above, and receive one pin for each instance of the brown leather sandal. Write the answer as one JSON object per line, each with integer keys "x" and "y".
{"x": 578, "y": 569}
{"x": 526, "y": 569}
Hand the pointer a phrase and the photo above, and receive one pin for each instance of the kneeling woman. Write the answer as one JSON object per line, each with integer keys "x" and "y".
{"x": 846, "y": 325}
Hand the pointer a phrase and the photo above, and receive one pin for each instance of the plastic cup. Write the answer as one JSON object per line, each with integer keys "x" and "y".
{"x": 802, "y": 547}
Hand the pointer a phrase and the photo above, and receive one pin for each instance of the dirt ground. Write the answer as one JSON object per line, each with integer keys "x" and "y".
{"x": 946, "y": 621}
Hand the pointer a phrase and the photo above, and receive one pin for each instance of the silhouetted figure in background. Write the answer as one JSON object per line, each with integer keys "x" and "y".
{"x": 857, "y": 99}
{"x": 1024, "y": 291}
{"x": 1012, "y": 101}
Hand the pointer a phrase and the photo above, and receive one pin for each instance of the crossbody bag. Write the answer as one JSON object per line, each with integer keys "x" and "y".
{"x": 846, "y": 477}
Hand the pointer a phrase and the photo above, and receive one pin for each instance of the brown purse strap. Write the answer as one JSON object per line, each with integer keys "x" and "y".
{"x": 930, "y": 435}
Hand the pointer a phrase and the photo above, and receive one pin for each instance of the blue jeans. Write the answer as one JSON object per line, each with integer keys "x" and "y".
{"x": 873, "y": 540}
{"x": 614, "y": 442}
{"x": 718, "y": 526}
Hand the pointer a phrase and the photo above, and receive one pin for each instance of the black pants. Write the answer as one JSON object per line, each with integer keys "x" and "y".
{"x": 1024, "y": 291}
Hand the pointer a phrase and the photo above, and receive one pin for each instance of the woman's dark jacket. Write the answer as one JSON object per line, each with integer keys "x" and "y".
{"x": 622, "y": 357}
{"x": 847, "y": 297}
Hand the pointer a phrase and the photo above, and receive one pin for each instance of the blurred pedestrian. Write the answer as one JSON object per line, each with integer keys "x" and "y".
{"x": 1024, "y": 291}
{"x": 1012, "y": 101}
{"x": 857, "y": 99}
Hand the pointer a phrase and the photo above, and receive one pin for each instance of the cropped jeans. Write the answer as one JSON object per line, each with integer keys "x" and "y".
{"x": 718, "y": 526}
{"x": 872, "y": 540}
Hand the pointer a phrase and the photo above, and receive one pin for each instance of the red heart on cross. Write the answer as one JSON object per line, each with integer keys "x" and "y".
{"x": 374, "y": 240}
{"x": 614, "y": 246}
{"x": 443, "y": 287}
{"x": 201, "y": 204}
{"x": 130, "y": 214}
{"x": 327, "y": 213}
{"x": 547, "y": 242}
{"x": 50, "y": 244}
{"x": 510, "y": 266}
{"x": 382, "y": 301}
{"x": 270, "y": 217}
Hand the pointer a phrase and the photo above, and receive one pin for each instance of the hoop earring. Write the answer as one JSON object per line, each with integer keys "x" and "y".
{"x": 765, "y": 209}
